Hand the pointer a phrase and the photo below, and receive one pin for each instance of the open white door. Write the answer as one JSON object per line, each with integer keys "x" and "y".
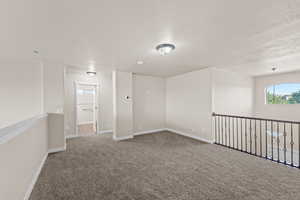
{"x": 86, "y": 109}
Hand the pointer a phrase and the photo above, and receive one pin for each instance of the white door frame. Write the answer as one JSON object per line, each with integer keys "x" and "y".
{"x": 96, "y": 107}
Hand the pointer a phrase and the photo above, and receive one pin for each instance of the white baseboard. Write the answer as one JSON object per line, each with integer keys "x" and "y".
{"x": 149, "y": 131}
{"x": 105, "y": 131}
{"x": 123, "y": 138}
{"x": 85, "y": 123}
{"x": 56, "y": 150}
{"x": 78, "y": 136}
{"x": 35, "y": 178}
{"x": 72, "y": 136}
{"x": 138, "y": 133}
{"x": 190, "y": 136}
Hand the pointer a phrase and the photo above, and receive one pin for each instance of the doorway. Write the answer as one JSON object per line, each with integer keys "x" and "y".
{"x": 86, "y": 109}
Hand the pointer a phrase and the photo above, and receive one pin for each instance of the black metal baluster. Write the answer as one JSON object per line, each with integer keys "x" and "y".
{"x": 229, "y": 131}
{"x": 222, "y": 130}
{"x": 219, "y": 141}
{"x": 226, "y": 141}
{"x": 224, "y": 118}
{"x": 284, "y": 142}
{"x": 250, "y": 136}
{"x": 241, "y": 120}
{"x": 272, "y": 139}
{"x": 255, "y": 137}
{"x": 237, "y": 133}
{"x": 233, "y": 133}
{"x": 246, "y": 141}
{"x": 260, "y": 138}
{"x": 278, "y": 152}
{"x": 292, "y": 145}
{"x": 215, "y": 120}
{"x": 266, "y": 135}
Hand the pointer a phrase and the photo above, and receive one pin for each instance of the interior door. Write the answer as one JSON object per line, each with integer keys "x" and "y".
{"x": 86, "y": 106}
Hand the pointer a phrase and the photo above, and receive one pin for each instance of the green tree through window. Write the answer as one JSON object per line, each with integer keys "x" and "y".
{"x": 286, "y": 93}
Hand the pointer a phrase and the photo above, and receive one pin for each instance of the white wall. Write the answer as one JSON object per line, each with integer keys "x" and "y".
{"x": 21, "y": 92}
{"x": 122, "y": 106}
{"x": 148, "y": 103}
{"x": 21, "y": 159}
{"x": 25, "y": 95}
{"x": 284, "y": 111}
{"x": 232, "y": 93}
{"x": 53, "y": 79}
{"x": 189, "y": 103}
{"x": 53, "y": 87}
{"x": 105, "y": 100}
{"x": 56, "y": 136}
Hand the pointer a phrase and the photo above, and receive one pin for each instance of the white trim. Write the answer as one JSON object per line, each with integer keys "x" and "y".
{"x": 85, "y": 123}
{"x": 56, "y": 150}
{"x": 190, "y": 136}
{"x": 9, "y": 132}
{"x": 86, "y": 83}
{"x": 105, "y": 131}
{"x": 78, "y": 136}
{"x": 122, "y": 138}
{"x": 149, "y": 131}
{"x": 72, "y": 136}
{"x": 35, "y": 178}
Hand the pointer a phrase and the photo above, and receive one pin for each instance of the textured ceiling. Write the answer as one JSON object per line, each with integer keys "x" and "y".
{"x": 245, "y": 36}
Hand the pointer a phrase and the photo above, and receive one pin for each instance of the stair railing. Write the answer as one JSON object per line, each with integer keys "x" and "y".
{"x": 275, "y": 140}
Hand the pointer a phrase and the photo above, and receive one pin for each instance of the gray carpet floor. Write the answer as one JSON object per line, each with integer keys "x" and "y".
{"x": 161, "y": 166}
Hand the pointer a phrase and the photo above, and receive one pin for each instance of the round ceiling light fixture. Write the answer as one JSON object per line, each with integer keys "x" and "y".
{"x": 91, "y": 70}
{"x": 91, "y": 73}
{"x": 165, "y": 48}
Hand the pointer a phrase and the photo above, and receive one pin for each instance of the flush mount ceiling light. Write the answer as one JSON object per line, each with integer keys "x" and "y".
{"x": 140, "y": 62}
{"x": 91, "y": 70}
{"x": 91, "y": 73}
{"x": 165, "y": 48}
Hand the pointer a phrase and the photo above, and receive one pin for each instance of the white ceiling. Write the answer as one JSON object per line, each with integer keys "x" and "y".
{"x": 248, "y": 36}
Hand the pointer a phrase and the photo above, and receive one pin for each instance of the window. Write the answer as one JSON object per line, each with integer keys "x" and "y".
{"x": 85, "y": 91}
{"x": 285, "y": 93}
